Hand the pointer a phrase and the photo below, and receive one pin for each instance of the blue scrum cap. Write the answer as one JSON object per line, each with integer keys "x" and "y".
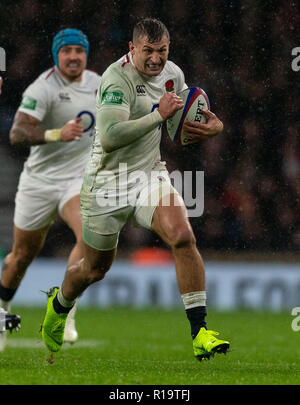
{"x": 69, "y": 36}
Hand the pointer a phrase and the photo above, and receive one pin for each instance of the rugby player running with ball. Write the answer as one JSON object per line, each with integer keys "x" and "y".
{"x": 132, "y": 103}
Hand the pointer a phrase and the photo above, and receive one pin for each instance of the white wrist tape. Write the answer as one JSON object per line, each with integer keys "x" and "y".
{"x": 53, "y": 135}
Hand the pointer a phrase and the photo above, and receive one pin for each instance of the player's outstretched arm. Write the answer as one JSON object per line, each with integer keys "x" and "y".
{"x": 26, "y": 131}
{"x": 118, "y": 131}
{"x": 196, "y": 130}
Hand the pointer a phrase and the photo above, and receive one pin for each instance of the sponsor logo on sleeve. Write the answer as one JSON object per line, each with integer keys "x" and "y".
{"x": 112, "y": 97}
{"x": 29, "y": 103}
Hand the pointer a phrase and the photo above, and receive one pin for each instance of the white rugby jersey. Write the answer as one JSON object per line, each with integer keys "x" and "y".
{"x": 123, "y": 87}
{"x": 54, "y": 101}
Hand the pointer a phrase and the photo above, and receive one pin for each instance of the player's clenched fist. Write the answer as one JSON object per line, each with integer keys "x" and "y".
{"x": 72, "y": 130}
{"x": 169, "y": 104}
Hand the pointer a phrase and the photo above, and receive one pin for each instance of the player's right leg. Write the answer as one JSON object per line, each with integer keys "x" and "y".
{"x": 26, "y": 246}
{"x": 100, "y": 232}
{"x": 35, "y": 208}
{"x": 78, "y": 277}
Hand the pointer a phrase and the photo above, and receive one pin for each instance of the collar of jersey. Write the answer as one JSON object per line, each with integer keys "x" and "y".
{"x": 66, "y": 81}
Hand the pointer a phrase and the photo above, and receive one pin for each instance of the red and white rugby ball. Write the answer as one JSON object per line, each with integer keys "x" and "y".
{"x": 195, "y": 100}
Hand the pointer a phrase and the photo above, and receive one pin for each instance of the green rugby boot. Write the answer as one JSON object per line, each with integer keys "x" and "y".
{"x": 53, "y": 326}
{"x": 206, "y": 344}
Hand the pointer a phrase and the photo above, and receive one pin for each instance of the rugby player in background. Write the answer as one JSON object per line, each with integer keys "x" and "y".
{"x": 7, "y": 321}
{"x": 132, "y": 103}
{"x": 56, "y": 119}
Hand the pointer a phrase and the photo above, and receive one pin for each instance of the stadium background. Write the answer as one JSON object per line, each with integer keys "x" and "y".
{"x": 240, "y": 53}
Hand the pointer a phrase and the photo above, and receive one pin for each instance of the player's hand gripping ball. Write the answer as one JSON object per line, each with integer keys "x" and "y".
{"x": 195, "y": 100}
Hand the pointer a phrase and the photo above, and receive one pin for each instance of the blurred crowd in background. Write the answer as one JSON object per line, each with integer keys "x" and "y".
{"x": 239, "y": 52}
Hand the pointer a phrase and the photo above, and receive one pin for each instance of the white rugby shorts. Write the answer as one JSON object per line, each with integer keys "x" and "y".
{"x": 39, "y": 200}
{"x": 102, "y": 224}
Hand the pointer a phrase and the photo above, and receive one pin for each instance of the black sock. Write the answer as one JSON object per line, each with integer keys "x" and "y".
{"x": 196, "y": 316}
{"x": 6, "y": 294}
{"x": 60, "y": 309}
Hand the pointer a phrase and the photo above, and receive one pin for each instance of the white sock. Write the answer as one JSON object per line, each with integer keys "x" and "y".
{"x": 65, "y": 303}
{"x": 194, "y": 299}
{"x": 5, "y": 305}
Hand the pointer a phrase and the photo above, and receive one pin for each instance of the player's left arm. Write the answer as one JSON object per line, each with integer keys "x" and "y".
{"x": 197, "y": 130}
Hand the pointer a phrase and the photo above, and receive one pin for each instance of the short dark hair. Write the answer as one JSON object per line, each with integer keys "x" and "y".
{"x": 151, "y": 28}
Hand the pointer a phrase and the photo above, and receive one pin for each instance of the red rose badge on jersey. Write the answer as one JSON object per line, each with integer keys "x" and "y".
{"x": 169, "y": 85}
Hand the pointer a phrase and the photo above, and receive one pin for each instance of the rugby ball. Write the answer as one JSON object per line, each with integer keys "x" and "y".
{"x": 195, "y": 100}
